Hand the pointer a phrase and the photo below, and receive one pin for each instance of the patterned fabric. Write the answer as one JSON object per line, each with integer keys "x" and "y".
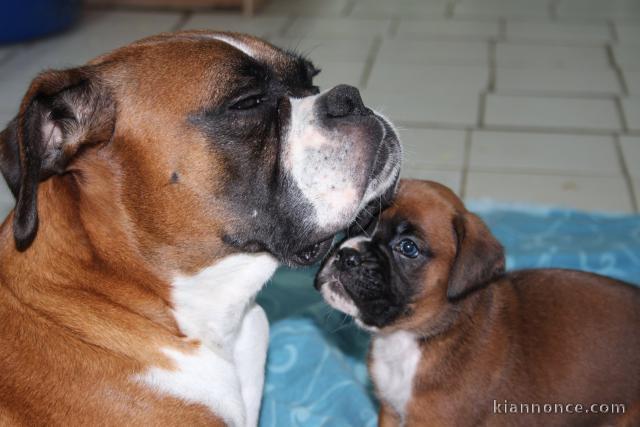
{"x": 316, "y": 371}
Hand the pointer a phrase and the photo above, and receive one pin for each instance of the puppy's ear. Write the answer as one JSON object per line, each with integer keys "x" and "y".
{"x": 479, "y": 257}
{"x": 62, "y": 112}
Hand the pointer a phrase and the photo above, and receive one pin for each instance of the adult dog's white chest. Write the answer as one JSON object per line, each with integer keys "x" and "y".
{"x": 216, "y": 307}
{"x": 394, "y": 360}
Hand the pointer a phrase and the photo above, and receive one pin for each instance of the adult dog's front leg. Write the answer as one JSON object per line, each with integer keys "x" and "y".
{"x": 250, "y": 354}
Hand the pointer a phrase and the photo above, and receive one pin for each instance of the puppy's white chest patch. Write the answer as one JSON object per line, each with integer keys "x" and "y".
{"x": 395, "y": 359}
{"x": 211, "y": 307}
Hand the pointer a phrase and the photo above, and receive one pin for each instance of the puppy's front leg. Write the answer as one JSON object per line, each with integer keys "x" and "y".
{"x": 387, "y": 417}
{"x": 249, "y": 355}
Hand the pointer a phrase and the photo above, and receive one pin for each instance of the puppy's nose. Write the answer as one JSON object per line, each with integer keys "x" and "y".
{"x": 345, "y": 100}
{"x": 347, "y": 258}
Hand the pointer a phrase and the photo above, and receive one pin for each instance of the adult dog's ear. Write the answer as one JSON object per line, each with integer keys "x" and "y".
{"x": 62, "y": 112}
{"x": 479, "y": 256}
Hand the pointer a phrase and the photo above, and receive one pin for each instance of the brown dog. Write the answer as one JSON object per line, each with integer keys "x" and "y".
{"x": 158, "y": 187}
{"x": 459, "y": 342}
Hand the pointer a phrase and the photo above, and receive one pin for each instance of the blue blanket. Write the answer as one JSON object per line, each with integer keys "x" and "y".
{"x": 316, "y": 373}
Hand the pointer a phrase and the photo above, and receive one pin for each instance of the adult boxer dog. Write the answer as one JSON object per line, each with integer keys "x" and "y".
{"x": 158, "y": 187}
{"x": 455, "y": 337}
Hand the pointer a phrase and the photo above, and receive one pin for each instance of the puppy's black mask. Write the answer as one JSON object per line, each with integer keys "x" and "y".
{"x": 378, "y": 275}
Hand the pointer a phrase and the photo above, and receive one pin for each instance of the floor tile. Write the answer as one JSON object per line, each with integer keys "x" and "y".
{"x": 551, "y": 56}
{"x": 4, "y": 52}
{"x": 505, "y": 8}
{"x": 12, "y": 92}
{"x": 99, "y": 32}
{"x": 548, "y": 113}
{"x": 305, "y": 7}
{"x": 627, "y": 56}
{"x": 327, "y": 50}
{"x": 433, "y": 52}
{"x": 599, "y": 9}
{"x": 449, "y": 178}
{"x": 453, "y": 109}
{"x": 339, "y": 28}
{"x": 261, "y": 25}
{"x": 631, "y": 107}
{"x": 544, "y": 153}
{"x": 631, "y": 151}
{"x": 607, "y": 194}
{"x": 338, "y": 72}
{"x": 632, "y": 78}
{"x": 557, "y": 80}
{"x": 398, "y": 8}
{"x": 7, "y": 201}
{"x": 556, "y": 31}
{"x": 117, "y": 28}
{"x": 432, "y": 148}
{"x": 629, "y": 33}
{"x": 426, "y": 79}
{"x": 412, "y": 28}
{"x": 5, "y": 118}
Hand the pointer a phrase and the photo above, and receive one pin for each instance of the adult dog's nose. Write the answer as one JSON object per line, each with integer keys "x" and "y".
{"x": 343, "y": 101}
{"x": 347, "y": 258}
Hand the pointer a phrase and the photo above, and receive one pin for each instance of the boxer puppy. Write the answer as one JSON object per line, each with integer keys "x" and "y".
{"x": 455, "y": 337}
{"x": 158, "y": 187}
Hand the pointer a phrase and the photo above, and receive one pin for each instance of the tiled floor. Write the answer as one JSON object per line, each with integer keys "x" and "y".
{"x": 534, "y": 101}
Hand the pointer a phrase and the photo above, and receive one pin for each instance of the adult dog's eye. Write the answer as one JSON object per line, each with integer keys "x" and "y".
{"x": 408, "y": 248}
{"x": 249, "y": 102}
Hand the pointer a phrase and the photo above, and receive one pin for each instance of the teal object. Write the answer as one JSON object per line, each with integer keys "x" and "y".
{"x": 316, "y": 372}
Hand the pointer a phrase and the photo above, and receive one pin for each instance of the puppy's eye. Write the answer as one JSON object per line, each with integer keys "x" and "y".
{"x": 249, "y": 102}
{"x": 408, "y": 248}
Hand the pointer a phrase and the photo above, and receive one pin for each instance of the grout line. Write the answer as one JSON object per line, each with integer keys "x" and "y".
{"x": 482, "y": 105}
{"x": 513, "y": 128}
{"x": 544, "y": 172}
{"x": 626, "y": 174}
{"x": 493, "y": 71}
{"x": 624, "y": 88}
{"x": 555, "y": 94}
{"x": 370, "y": 61}
{"x": 538, "y": 42}
{"x": 512, "y": 41}
{"x": 621, "y": 114}
{"x": 445, "y": 37}
{"x": 551, "y": 94}
{"x": 465, "y": 164}
{"x": 182, "y": 21}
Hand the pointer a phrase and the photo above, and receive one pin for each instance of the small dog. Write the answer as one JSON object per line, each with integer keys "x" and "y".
{"x": 459, "y": 342}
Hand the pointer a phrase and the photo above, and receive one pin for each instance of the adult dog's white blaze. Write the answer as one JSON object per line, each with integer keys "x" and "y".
{"x": 244, "y": 48}
{"x": 315, "y": 157}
